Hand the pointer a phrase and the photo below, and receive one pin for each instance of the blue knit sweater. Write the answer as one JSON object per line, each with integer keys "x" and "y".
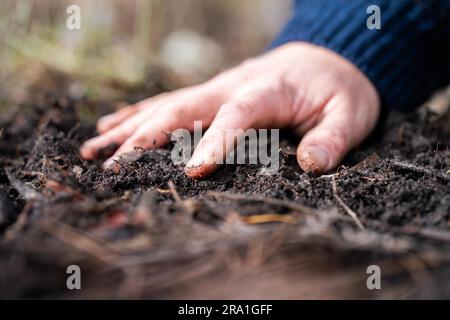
{"x": 406, "y": 59}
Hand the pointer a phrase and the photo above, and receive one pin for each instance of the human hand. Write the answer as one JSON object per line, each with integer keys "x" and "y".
{"x": 313, "y": 91}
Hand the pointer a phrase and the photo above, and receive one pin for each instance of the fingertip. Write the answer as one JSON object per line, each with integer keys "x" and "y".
{"x": 200, "y": 171}
{"x": 314, "y": 158}
{"x": 108, "y": 163}
{"x": 201, "y": 164}
{"x": 111, "y": 164}
{"x": 87, "y": 152}
{"x": 109, "y": 121}
{"x": 193, "y": 172}
{"x": 102, "y": 126}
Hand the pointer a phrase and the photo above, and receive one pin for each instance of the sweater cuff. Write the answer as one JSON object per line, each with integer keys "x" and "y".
{"x": 393, "y": 57}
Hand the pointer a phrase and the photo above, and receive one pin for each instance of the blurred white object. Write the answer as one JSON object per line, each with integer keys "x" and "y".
{"x": 191, "y": 55}
{"x": 440, "y": 102}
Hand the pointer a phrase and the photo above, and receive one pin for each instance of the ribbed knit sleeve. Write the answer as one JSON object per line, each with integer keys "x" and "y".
{"x": 407, "y": 59}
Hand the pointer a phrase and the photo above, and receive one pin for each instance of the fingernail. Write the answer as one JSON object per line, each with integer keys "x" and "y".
{"x": 198, "y": 168}
{"x": 316, "y": 158}
{"x": 200, "y": 165}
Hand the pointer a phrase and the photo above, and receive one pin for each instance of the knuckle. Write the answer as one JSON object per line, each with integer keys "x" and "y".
{"x": 127, "y": 109}
{"x": 272, "y": 81}
{"x": 268, "y": 86}
{"x": 177, "y": 111}
{"x": 333, "y": 80}
{"x": 126, "y": 127}
{"x": 114, "y": 135}
{"x": 242, "y": 108}
{"x": 123, "y": 131}
{"x": 248, "y": 63}
{"x": 138, "y": 141}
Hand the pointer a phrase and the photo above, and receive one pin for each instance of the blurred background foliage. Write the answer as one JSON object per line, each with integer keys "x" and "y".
{"x": 127, "y": 46}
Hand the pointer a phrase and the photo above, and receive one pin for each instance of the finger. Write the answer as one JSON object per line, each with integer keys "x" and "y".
{"x": 343, "y": 126}
{"x": 116, "y": 135}
{"x": 155, "y": 133}
{"x": 109, "y": 121}
{"x": 255, "y": 110}
{"x": 151, "y": 134}
{"x": 186, "y": 99}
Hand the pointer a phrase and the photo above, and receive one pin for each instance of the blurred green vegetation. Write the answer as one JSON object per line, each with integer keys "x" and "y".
{"x": 122, "y": 42}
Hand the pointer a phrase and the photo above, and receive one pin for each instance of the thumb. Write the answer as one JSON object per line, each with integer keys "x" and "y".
{"x": 343, "y": 126}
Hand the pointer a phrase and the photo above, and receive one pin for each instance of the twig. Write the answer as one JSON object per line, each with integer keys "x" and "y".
{"x": 435, "y": 234}
{"x": 120, "y": 164}
{"x": 174, "y": 192}
{"x": 270, "y": 217}
{"x": 25, "y": 191}
{"x": 159, "y": 190}
{"x": 274, "y": 201}
{"x": 420, "y": 170}
{"x": 349, "y": 211}
{"x": 188, "y": 205}
{"x": 327, "y": 175}
{"x": 411, "y": 230}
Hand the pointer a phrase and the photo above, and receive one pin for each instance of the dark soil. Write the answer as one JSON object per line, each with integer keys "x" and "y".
{"x": 151, "y": 232}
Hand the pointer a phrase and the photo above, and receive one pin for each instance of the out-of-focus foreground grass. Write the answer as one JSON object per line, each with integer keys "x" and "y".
{"x": 123, "y": 42}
